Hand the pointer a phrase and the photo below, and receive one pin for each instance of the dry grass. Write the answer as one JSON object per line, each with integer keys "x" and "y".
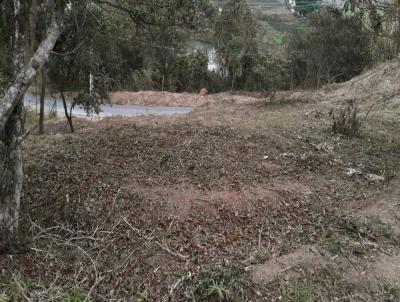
{"x": 157, "y": 98}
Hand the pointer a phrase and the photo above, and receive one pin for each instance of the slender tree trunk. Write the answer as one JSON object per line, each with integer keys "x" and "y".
{"x": 26, "y": 76}
{"x": 11, "y": 170}
{"x": 68, "y": 116}
{"x": 11, "y": 126}
{"x": 42, "y": 98}
{"x": 233, "y": 80}
{"x": 12, "y": 176}
{"x": 30, "y": 30}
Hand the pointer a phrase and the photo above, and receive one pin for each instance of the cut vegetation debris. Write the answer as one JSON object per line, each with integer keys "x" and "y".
{"x": 238, "y": 201}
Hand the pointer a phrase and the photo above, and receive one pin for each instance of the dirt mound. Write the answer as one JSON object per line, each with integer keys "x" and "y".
{"x": 385, "y": 270}
{"x": 163, "y": 98}
{"x": 157, "y": 98}
{"x": 181, "y": 201}
{"x": 306, "y": 258}
{"x": 385, "y": 208}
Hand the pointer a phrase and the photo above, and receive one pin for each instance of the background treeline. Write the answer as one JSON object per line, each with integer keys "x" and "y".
{"x": 256, "y": 49}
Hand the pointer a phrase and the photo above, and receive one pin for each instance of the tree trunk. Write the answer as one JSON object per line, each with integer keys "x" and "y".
{"x": 26, "y": 76}
{"x": 42, "y": 98}
{"x": 31, "y": 29}
{"x": 11, "y": 126}
{"x": 11, "y": 169}
{"x": 11, "y": 176}
{"x": 233, "y": 80}
{"x": 68, "y": 116}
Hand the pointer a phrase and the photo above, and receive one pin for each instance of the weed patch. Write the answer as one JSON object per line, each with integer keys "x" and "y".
{"x": 298, "y": 292}
{"x": 393, "y": 293}
{"x": 218, "y": 283}
{"x": 346, "y": 120}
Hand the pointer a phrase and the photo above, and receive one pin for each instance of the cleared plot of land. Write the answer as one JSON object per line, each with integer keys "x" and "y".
{"x": 242, "y": 200}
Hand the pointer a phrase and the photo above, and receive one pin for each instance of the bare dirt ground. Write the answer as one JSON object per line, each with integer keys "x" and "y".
{"x": 163, "y": 98}
{"x": 244, "y": 199}
{"x": 159, "y": 98}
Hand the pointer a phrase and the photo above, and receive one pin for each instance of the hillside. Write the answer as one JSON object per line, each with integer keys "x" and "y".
{"x": 376, "y": 93}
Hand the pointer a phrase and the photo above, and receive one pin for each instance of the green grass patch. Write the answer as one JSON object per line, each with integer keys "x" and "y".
{"x": 298, "y": 292}
{"x": 392, "y": 292}
{"x": 218, "y": 283}
{"x": 22, "y": 288}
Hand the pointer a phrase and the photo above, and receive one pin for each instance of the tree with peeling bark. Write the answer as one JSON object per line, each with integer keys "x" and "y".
{"x": 11, "y": 105}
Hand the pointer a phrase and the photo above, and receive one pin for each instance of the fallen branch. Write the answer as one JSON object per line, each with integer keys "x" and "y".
{"x": 112, "y": 207}
{"x": 259, "y": 237}
{"x": 368, "y": 243}
{"x": 164, "y": 247}
{"x": 382, "y": 100}
{"x": 22, "y": 138}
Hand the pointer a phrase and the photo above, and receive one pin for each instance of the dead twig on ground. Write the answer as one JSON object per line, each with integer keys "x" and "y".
{"x": 164, "y": 247}
{"x": 375, "y": 245}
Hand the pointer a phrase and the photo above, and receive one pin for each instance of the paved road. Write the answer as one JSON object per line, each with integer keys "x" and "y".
{"x": 107, "y": 110}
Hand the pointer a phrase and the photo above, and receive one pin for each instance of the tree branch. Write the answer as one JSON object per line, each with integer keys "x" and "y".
{"x": 22, "y": 138}
{"x": 26, "y": 76}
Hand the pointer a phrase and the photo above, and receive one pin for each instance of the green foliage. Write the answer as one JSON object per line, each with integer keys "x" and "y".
{"x": 371, "y": 227}
{"x": 145, "y": 79}
{"x": 91, "y": 101}
{"x": 137, "y": 50}
{"x": 216, "y": 290}
{"x": 270, "y": 73}
{"x": 4, "y": 297}
{"x": 381, "y": 20}
{"x": 298, "y": 292}
{"x": 77, "y": 295}
{"x": 335, "y": 48}
{"x": 20, "y": 287}
{"x": 336, "y": 246}
{"x": 218, "y": 283}
{"x": 346, "y": 120}
{"x": 30, "y": 116}
{"x": 393, "y": 293}
{"x": 191, "y": 70}
{"x": 144, "y": 296}
{"x": 305, "y": 7}
{"x": 215, "y": 83}
{"x": 6, "y": 29}
{"x": 3, "y": 85}
{"x": 235, "y": 41}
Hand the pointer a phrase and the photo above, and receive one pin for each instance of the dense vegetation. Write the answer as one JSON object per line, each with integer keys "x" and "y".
{"x": 260, "y": 45}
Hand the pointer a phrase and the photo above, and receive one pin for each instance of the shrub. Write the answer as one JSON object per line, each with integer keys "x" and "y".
{"x": 333, "y": 48}
{"x": 345, "y": 120}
